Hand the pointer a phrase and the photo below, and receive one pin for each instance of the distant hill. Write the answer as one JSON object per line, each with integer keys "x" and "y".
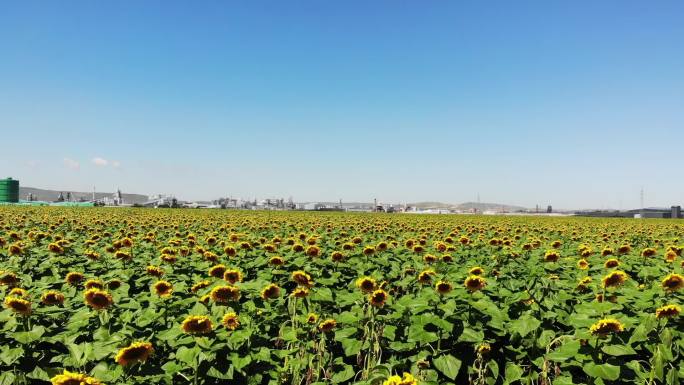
{"x": 51, "y": 195}
{"x": 468, "y": 206}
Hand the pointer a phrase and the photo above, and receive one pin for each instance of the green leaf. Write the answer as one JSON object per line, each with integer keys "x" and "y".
{"x": 618, "y": 350}
{"x": 7, "y": 378}
{"x": 565, "y": 351}
{"x": 38, "y": 374}
{"x": 351, "y": 347}
{"x": 343, "y": 375}
{"x": 448, "y": 365}
{"x": 470, "y": 335}
{"x": 9, "y": 355}
{"x": 227, "y": 375}
{"x": 525, "y": 325}
{"x": 603, "y": 371}
{"x": 29, "y": 336}
{"x": 513, "y": 372}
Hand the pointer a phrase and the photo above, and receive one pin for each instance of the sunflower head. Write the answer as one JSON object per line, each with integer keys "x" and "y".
{"x": 98, "y": 299}
{"x": 134, "y": 353}
{"x": 337, "y": 256}
{"x": 276, "y": 261}
{"x": 673, "y": 282}
{"x": 155, "y": 271}
{"x": 74, "y": 278}
{"x": 483, "y": 349}
{"x": 425, "y": 277}
{"x": 94, "y": 284}
{"x": 378, "y": 298}
{"x": 606, "y": 326}
{"x": 474, "y": 283}
{"x": 18, "y": 305}
{"x": 233, "y": 276}
{"x": 225, "y": 294}
{"x": 8, "y": 278}
{"x": 312, "y": 318}
{"x": 614, "y": 279}
{"x": 313, "y": 251}
{"x": 582, "y": 264}
{"x": 611, "y": 262}
{"x": 405, "y": 379}
{"x": 551, "y": 256}
{"x": 302, "y": 278}
{"x": 69, "y": 378}
{"x": 366, "y": 284}
{"x": 196, "y": 324}
{"x": 443, "y": 287}
{"x": 477, "y": 270}
{"x": 271, "y": 291}
{"x": 217, "y": 271}
{"x": 52, "y": 297}
{"x": 368, "y": 250}
{"x": 163, "y": 288}
{"x": 668, "y": 311}
{"x": 230, "y": 321}
{"x": 18, "y": 292}
{"x": 199, "y": 286}
{"x": 648, "y": 252}
{"x": 328, "y": 325}
{"x": 300, "y": 292}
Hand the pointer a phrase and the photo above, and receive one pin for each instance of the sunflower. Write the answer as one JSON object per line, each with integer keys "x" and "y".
{"x": 123, "y": 255}
{"x": 406, "y": 379}
{"x": 230, "y": 321}
{"x": 69, "y": 378}
{"x": 270, "y": 292}
{"x": 368, "y": 250}
{"x": 199, "y": 286}
{"x": 312, "y": 318}
{"x": 74, "y": 278}
{"x": 607, "y": 251}
{"x": 55, "y": 248}
{"x": 15, "y": 249}
{"x": 443, "y": 287}
{"x": 477, "y": 270}
{"x": 225, "y": 294}
{"x": 134, "y": 353}
{"x": 92, "y": 255}
{"x": 155, "y": 271}
{"x": 18, "y": 305}
{"x": 670, "y": 256}
{"x": 18, "y": 292}
{"x": 276, "y": 261}
{"x": 327, "y": 326}
{"x": 313, "y": 251}
{"x": 233, "y": 276}
{"x": 582, "y": 264}
{"x": 168, "y": 258}
{"x": 52, "y": 297}
{"x": 615, "y": 278}
{"x": 302, "y": 278}
{"x": 551, "y": 256}
{"x": 8, "y": 278}
{"x": 624, "y": 249}
{"x": 483, "y": 349}
{"x": 606, "y": 326}
{"x": 611, "y": 262}
{"x": 378, "y": 298}
{"x": 217, "y": 271}
{"x": 98, "y": 299}
{"x": 668, "y": 311}
{"x": 337, "y": 256}
{"x": 94, "y": 284}
{"x": 114, "y": 284}
{"x": 648, "y": 252}
{"x": 474, "y": 283}
{"x": 447, "y": 258}
{"x": 673, "y": 282}
{"x": 300, "y": 292}
{"x": 366, "y": 284}
{"x": 425, "y": 277}
{"x": 163, "y": 288}
{"x": 429, "y": 258}
{"x": 196, "y": 324}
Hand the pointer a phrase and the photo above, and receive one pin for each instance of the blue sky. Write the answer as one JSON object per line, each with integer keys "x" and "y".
{"x": 574, "y": 104}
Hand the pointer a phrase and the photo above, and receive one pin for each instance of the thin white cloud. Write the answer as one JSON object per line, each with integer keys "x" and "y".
{"x": 32, "y": 163}
{"x": 116, "y": 163}
{"x": 72, "y": 164}
{"x": 100, "y": 162}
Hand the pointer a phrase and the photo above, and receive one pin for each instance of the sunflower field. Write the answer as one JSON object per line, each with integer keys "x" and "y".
{"x": 144, "y": 296}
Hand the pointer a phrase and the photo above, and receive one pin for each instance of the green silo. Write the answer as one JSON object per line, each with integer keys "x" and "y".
{"x": 9, "y": 190}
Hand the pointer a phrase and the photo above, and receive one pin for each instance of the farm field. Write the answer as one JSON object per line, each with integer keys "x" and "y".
{"x": 142, "y": 296}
